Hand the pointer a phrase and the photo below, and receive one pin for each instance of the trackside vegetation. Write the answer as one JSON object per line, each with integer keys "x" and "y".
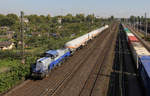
{"x": 41, "y": 33}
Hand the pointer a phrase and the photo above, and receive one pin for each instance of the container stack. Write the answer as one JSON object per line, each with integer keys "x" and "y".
{"x": 130, "y": 37}
{"x": 142, "y": 58}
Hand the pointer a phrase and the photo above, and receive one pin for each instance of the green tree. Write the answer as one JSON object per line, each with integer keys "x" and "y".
{"x": 2, "y": 16}
{"x": 7, "y": 22}
{"x": 132, "y": 19}
{"x": 13, "y": 16}
{"x": 90, "y": 18}
{"x": 68, "y": 18}
{"x": 48, "y": 18}
{"x": 112, "y": 17}
{"x": 80, "y": 17}
{"x": 35, "y": 19}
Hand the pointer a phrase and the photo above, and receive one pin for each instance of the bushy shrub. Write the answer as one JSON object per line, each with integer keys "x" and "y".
{"x": 9, "y": 54}
{"x": 16, "y": 74}
{"x": 70, "y": 25}
{"x": 10, "y": 78}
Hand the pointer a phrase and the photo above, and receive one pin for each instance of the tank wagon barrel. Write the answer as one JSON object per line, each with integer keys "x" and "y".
{"x": 74, "y": 44}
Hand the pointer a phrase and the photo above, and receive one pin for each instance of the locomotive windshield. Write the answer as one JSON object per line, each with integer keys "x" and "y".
{"x": 48, "y": 55}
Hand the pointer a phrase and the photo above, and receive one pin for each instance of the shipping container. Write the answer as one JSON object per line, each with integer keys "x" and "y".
{"x": 126, "y": 29}
{"x": 130, "y": 34}
{"x": 132, "y": 39}
{"x": 144, "y": 71}
{"x": 140, "y": 49}
{"x": 137, "y": 50}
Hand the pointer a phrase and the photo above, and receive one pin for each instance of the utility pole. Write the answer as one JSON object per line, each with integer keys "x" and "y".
{"x": 110, "y": 25}
{"x": 134, "y": 22}
{"x": 145, "y": 25}
{"x": 22, "y": 37}
{"x": 137, "y": 24}
{"x": 140, "y": 23}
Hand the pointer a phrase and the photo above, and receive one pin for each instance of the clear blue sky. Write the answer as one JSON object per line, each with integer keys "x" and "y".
{"x": 118, "y": 8}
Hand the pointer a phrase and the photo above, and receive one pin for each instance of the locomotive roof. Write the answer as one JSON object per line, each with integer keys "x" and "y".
{"x": 52, "y": 52}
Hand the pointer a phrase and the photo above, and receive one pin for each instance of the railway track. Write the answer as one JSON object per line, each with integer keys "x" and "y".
{"x": 72, "y": 73}
{"x": 131, "y": 84}
{"x": 60, "y": 75}
{"x": 114, "y": 88}
{"x": 77, "y": 76}
{"x": 91, "y": 87}
{"x": 125, "y": 81}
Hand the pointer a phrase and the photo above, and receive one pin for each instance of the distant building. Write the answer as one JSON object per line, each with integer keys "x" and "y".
{"x": 10, "y": 33}
{"x": 54, "y": 35}
{"x": 36, "y": 34}
{"x": 46, "y": 34}
{"x": 98, "y": 17}
{"x": 25, "y": 20}
{"x": 39, "y": 34}
{"x": 3, "y": 36}
{"x": 6, "y": 36}
{"x": 4, "y": 28}
{"x": 59, "y": 20}
{"x": 6, "y": 45}
{"x": 72, "y": 35}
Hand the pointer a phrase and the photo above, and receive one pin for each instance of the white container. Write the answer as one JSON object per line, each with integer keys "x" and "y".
{"x": 137, "y": 50}
{"x": 140, "y": 49}
{"x": 130, "y": 34}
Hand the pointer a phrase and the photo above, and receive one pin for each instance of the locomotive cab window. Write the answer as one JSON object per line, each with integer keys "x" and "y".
{"x": 40, "y": 61}
{"x": 48, "y": 55}
{"x": 52, "y": 56}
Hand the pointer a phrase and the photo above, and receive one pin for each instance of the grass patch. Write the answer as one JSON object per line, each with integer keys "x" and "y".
{"x": 3, "y": 39}
{"x": 4, "y": 63}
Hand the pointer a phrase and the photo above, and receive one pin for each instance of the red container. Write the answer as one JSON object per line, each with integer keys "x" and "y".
{"x": 132, "y": 39}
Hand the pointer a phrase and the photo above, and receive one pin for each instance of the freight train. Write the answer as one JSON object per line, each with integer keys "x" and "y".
{"x": 141, "y": 57}
{"x": 53, "y": 58}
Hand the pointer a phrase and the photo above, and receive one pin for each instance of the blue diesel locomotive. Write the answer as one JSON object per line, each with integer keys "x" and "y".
{"x": 51, "y": 59}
